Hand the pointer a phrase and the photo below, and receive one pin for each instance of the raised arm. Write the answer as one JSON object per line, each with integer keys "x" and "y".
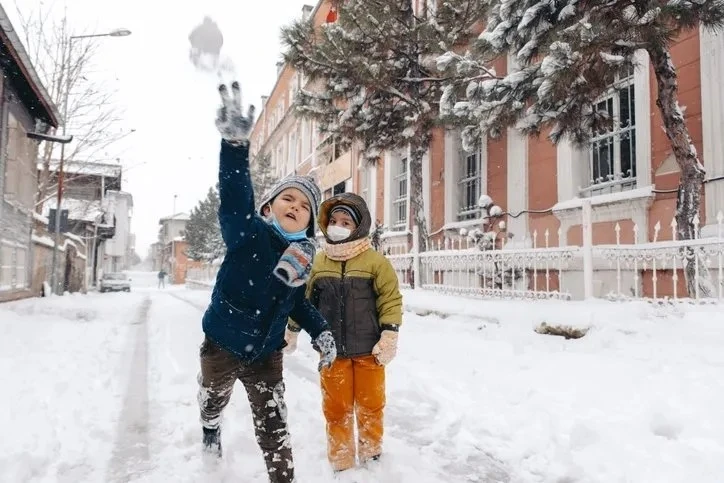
{"x": 236, "y": 210}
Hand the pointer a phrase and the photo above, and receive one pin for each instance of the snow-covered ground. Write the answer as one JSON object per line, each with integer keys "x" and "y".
{"x": 102, "y": 387}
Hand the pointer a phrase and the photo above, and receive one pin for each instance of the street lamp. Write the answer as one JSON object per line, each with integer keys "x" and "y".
{"x": 119, "y": 33}
{"x": 66, "y": 64}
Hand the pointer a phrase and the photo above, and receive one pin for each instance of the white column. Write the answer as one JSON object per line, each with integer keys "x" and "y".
{"x": 517, "y": 187}
{"x": 387, "y": 189}
{"x": 642, "y": 108}
{"x": 452, "y": 149}
{"x": 567, "y": 158}
{"x": 372, "y": 171}
{"x": 712, "y": 120}
{"x": 426, "y": 189}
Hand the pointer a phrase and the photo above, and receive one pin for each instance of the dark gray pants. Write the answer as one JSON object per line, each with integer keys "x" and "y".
{"x": 265, "y": 389}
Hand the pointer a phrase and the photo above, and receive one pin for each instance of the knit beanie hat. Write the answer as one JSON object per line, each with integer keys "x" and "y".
{"x": 349, "y": 210}
{"x": 306, "y": 185}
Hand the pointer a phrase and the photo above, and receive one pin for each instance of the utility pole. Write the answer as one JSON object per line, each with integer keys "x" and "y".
{"x": 66, "y": 65}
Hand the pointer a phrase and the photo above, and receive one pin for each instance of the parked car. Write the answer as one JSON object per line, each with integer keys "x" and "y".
{"x": 115, "y": 282}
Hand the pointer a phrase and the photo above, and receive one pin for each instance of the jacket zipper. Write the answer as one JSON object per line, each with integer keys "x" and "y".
{"x": 342, "y": 322}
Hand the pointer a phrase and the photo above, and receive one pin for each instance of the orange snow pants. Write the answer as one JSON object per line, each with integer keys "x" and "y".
{"x": 353, "y": 387}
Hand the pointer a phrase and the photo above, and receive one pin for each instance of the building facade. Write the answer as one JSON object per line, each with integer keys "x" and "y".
{"x": 294, "y": 145}
{"x": 25, "y": 106}
{"x": 170, "y": 250}
{"x": 98, "y": 211}
{"x": 628, "y": 173}
{"x": 118, "y": 249}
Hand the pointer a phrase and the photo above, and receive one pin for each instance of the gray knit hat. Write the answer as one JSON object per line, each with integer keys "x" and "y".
{"x": 306, "y": 185}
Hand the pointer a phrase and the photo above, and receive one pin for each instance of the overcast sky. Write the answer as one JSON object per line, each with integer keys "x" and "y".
{"x": 170, "y": 105}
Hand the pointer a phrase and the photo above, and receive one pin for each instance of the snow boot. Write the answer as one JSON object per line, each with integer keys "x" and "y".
{"x": 212, "y": 441}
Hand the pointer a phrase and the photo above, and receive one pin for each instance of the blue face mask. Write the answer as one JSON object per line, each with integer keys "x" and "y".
{"x": 300, "y": 235}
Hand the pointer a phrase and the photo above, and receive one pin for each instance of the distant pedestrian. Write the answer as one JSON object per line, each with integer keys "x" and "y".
{"x": 162, "y": 278}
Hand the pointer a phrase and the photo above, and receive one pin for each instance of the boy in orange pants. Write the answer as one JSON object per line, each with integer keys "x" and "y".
{"x": 356, "y": 290}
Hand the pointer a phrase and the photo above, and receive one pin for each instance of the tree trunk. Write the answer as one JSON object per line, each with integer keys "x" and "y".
{"x": 691, "y": 181}
{"x": 417, "y": 200}
{"x": 417, "y": 149}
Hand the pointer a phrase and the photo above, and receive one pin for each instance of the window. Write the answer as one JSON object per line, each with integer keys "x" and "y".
{"x": 293, "y": 149}
{"x": 399, "y": 200}
{"x": 6, "y": 267}
{"x": 612, "y": 155}
{"x": 306, "y": 139}
{"x": 339, "y": 188}
{"x": 20, "y": 267}
{"x": 20, "y": 168}
{"x": 365, "y": 184}
{"x": 280, "y": 161}
{"x": 469, "y": 185}
{"x": 12, "y": 266}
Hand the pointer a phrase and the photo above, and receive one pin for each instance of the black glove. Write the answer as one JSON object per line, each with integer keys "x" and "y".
{"x": 324, "y": 344}
{"x": 231, "y": 123}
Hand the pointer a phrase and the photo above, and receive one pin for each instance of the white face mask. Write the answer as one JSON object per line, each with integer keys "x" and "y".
{"x": 338, "y": 233}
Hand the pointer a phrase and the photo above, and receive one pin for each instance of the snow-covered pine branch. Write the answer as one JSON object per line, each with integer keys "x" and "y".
{"x": 568, "y": 55}
{"x": 376, "y": 85}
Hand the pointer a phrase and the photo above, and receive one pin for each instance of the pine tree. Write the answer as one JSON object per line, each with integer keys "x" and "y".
{"x": 262, "y": 176}
{"x": 569, "y": 53}
{"x": 203, "y": 233}
{"x": 373, "y": 80}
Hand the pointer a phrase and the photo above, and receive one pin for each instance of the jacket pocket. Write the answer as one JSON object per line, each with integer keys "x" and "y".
{"x": 242, "y": 318}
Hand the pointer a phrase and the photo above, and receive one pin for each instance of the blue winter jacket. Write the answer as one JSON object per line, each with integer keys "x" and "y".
{"x": 250, "y": 306}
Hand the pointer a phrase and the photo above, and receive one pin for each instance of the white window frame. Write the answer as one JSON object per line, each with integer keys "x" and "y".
{"x": 13, "y": 265}
{"x": 711, "y": 51}
{"x": 21, "y": 268}
{"x": 294, "y": 160}
{"x": 609, "y": 142}
{"x": 6, "y": 266}
{"x": 280, "y": 161}
{"x": 464, "y": 210}
{"x": 364, "y": 183}
{"x": 454, "y": 168}
{"x": 400, "y": 201}
{"x": 572, "y": 169}
{"x": 306, "y": 140}
{"x": 573, "y": 162}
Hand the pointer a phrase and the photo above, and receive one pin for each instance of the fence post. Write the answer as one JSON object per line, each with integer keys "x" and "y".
{"x": 416, "y": 272}
{"x": 587, "y": 228}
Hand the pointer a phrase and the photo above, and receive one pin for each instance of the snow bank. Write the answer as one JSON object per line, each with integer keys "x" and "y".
{"x": 63, "y": 371}
{"x": 475, "y": 394}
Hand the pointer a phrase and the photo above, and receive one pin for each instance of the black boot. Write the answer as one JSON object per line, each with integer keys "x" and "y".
{"x": 212, "y": 441}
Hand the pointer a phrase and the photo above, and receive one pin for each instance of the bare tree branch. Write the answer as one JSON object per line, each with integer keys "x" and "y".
{"x": 64, "y": 65}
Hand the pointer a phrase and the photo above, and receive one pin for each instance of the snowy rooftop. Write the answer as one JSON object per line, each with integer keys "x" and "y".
{"x": 177, "y": 216}
{"x": 81, "y": 210}
{"x": 86, "y": 167}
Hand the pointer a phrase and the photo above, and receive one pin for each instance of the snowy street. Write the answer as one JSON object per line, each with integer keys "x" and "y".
{"x": 102, "y": 387}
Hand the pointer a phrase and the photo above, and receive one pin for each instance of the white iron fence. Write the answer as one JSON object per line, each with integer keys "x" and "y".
{"x": 533, "y": 269}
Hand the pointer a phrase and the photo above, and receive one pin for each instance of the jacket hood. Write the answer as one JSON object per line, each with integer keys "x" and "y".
{"x": 348, "y": 199}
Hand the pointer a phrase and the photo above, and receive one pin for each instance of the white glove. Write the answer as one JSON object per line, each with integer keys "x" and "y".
{"x": 386, "y": 349}
{"x": 291, "y": 339}
{"x": 324, "y": 343}
{"x": 231, "y": 123}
